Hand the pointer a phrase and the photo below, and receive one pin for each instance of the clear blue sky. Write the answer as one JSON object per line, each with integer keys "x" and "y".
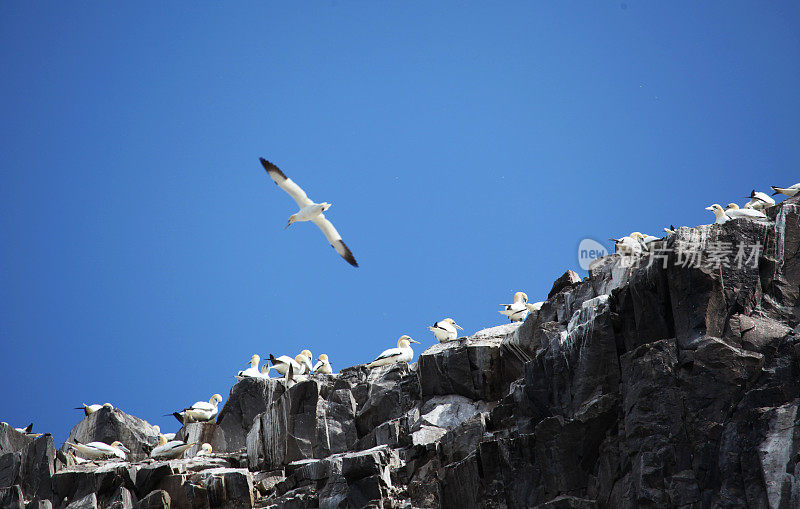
{"x": 466, "y": 150}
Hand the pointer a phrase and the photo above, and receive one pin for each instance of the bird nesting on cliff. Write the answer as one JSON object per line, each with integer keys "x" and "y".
{"x": 90, "y": 409}
{"x": 205, "y": 450}
{"x": 101, "y": 450}
{"x": 786, "y": 191}
{"x": 445, "y": 330}
{"x": 517, "y": 311}
{"x": 201, "y": 411}
{"x": 170, "y": 450}
{"x": 403, "y": 353}
{"x": 759, "y": 201}
{"x": 301, "y": 364}
{"x": 323, "y": 366}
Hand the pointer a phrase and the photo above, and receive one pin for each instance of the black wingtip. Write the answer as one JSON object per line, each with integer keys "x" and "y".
{"x": 272, "y": 359}
{"x": 29, "y": 428}
{"x": 177, "y": 415}
{"x": 271, "y": 168}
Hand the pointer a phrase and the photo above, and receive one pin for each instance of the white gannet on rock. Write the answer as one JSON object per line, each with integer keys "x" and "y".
{"x": 627, "y": 245}
{"x": 759, "y": 201}
{"x": 90, "y": 409}
{"x": 517, "y": 311}
{"x": 252, "y": 371}
{"x": 788, "y": 191}
{"x": 403, "y": 353}
{"x": 170, "y": 450}
{"x": 101, "y": 450}
{"x": 445, "y": 330}
{"x": 734, "y": 212}
{"x": 670, "y": 230}
{"x": 291, "y": 378}
{"x": 201, "y": 411}
{"x": 309, "y": 211}
{"x": 27, "y": 429}
{"x": 323, "y": 366}
{"x": 205, "y": 450}
{"x": 301, "y": 363}
{"x": 720, "y": 214}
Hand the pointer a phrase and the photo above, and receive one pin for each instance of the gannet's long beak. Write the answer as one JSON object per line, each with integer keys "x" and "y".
{"x": 288, "y": 225}
{"x": 457, "y": 326}
{"x": 431, "y": 328}
{"x": 123, "y": 448}
{"x": 414, "y": 341}
{"x": 710, "y": 208}
{"x": 615, "y": 240}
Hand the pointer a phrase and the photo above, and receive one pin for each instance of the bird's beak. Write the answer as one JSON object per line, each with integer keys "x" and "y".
{"x": 615, "y": 240}
{"x": 124, "y": 449}
{"x": 414, "y": 341}
{"x": 710, "y": 208}
{"x": 288, "y": 225}
{"x": 430, "y": 328}
{"x": 458, "y": 326}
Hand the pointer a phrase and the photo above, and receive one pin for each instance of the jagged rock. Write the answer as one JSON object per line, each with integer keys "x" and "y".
{"x": 230, "y": 488}
{"x": 158, "y": 499}
{"x": 569, "y": 278}
{"x": 87, "y": 502}
{"x": 39, "y": 504}
{"x": 202, "y": 432}
{"x": 122, "y": 499}
{"x": 392, "y": 391}
{"x": 107, "y": 425}
{"x": 12, "y": 440}
{"x": 37, "y": 467}
{"x": 11, "y": 497}
{"x": 246, "y": 400}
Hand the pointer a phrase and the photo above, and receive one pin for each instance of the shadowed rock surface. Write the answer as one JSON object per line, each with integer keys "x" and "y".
{"x": 662, "y": 383}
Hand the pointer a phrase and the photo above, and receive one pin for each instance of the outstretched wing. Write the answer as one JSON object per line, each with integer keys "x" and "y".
{"x": 335, "y": 239}
{"x": 285, "y": 183}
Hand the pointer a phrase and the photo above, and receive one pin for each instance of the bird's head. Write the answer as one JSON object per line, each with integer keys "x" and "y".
{"x": 323, "y": 357}
{"x": 254, "y": 360}
{"x": 733, "y": 206}
{"x": 520, "y": 297}
{"x": 215, "y": 399}
{"x": 407, "y": 340}
{"x": 325, "y": 206}
{"x": 307, "y": 353}
{"x": 715, "y": 208}
{"x": 108, "y": 405}
{"x": 161, "y": 439}
{"x": 453, "y": 323}
{"x": 636, "y": 235}
{"x": 120, "y": 446}
{"x": 292, "y": 219}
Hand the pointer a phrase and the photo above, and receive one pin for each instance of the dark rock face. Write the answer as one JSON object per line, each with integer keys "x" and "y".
{"x": 660, "y": 383}
{"x": 107, "y": 425}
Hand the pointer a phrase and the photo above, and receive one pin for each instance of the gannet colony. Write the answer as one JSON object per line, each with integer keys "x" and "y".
{"x": 642, "y": 385}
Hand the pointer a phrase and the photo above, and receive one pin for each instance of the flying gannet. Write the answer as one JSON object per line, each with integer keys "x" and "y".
{"x": 323, "y": 367}
{"x": 788, "y": 191}
{"x": 90, "y": 409}
{"x": 100, "y": 450}
{"x": 205, "y": 450}
{"x": 445, "y": 330}
{"x": 170, "y": 450}
{"x": 309, "y": 211}
{"x": 734, "y": 212}
{"x": 201, "y": 411}
{"x": 759, "y": 201}
{"x": 517, "y": 311}
{"x": 403, "y": 353}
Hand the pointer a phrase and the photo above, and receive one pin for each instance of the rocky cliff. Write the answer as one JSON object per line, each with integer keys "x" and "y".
{"x": 671, "y": 382}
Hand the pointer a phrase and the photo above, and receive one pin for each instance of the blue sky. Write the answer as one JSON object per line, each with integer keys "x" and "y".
{"x": 467, "y": 149}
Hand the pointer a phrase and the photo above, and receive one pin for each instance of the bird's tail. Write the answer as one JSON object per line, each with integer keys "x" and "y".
{"x": 778, "y": 190}
{"x": 29, "y": 428}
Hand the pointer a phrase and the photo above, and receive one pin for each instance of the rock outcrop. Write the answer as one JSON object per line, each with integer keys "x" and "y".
{"x": 670, "y": 382}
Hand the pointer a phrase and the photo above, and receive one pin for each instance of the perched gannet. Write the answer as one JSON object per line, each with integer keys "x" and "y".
{"x": 168, "y": 436}
{"x": 201, "y": 411}
{"x": 291, "y": 378}
{"x": 788, "y": 191}
{"x": 670, "y": 230}
{"x": 627, "y": 245}
{"x": 309, "y": 211}
{"x": 445, "y": 330}
{"x": 252, "y": 371}
{"x": 205, "y": 450}
{"x": 307, "y": 361}
{"x": 403, "y": 353}
{"x": 170, "y": 450}
{"x": 517, "y": 311}
{"x": 27, "y": 429}
{"x": 100, "y": 450}
{"x": 536, "y": 306}
{"x": 323, "y": 367}
{"x": 300, "y": 363}
{"x": 759, "y": 201}
{"x": 734, "y": 212}
{"x": 722, "y": 217}
{"x": 90, "y": 409}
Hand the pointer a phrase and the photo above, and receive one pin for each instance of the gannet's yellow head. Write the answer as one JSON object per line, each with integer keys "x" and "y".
{"x": 119, "y": 445}
{"x": 636, "y": 235}
{"x": 733, "y": 206}
{"x": 206, "y": 448}
{"x": 325, "y": 206}
{"x": 292, "y": 219}
{"x": 215, "y": 399}
{"x": 454, "y": 324}
{"x": 161, "y": 439}
{"x": 407, "y": 340}
{"x": 307, "y": 353}
{"x": 716, "y": 209}
{"x": 254, "y": 360}
{"x": 323, "y": 357}
{"x": 108, "y": 405}
{"x": 157, "y": 428}
{"x": 520, "y": 297}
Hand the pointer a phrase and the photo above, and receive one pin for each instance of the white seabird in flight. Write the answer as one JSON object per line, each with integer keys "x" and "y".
{"x": 445, "y": 330}
{"x": 309, "y": 211}
{"x": 201, "y": 411}
{"x": 323, "y": 367}
{"x": 788, "y": 191}
{"x": 170, "y": 450}
{"x": 517, "y": 311}
{"x": 101, "y": 450}
{"x": 90, "y": 409}
{"x": 403, "y": 353}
